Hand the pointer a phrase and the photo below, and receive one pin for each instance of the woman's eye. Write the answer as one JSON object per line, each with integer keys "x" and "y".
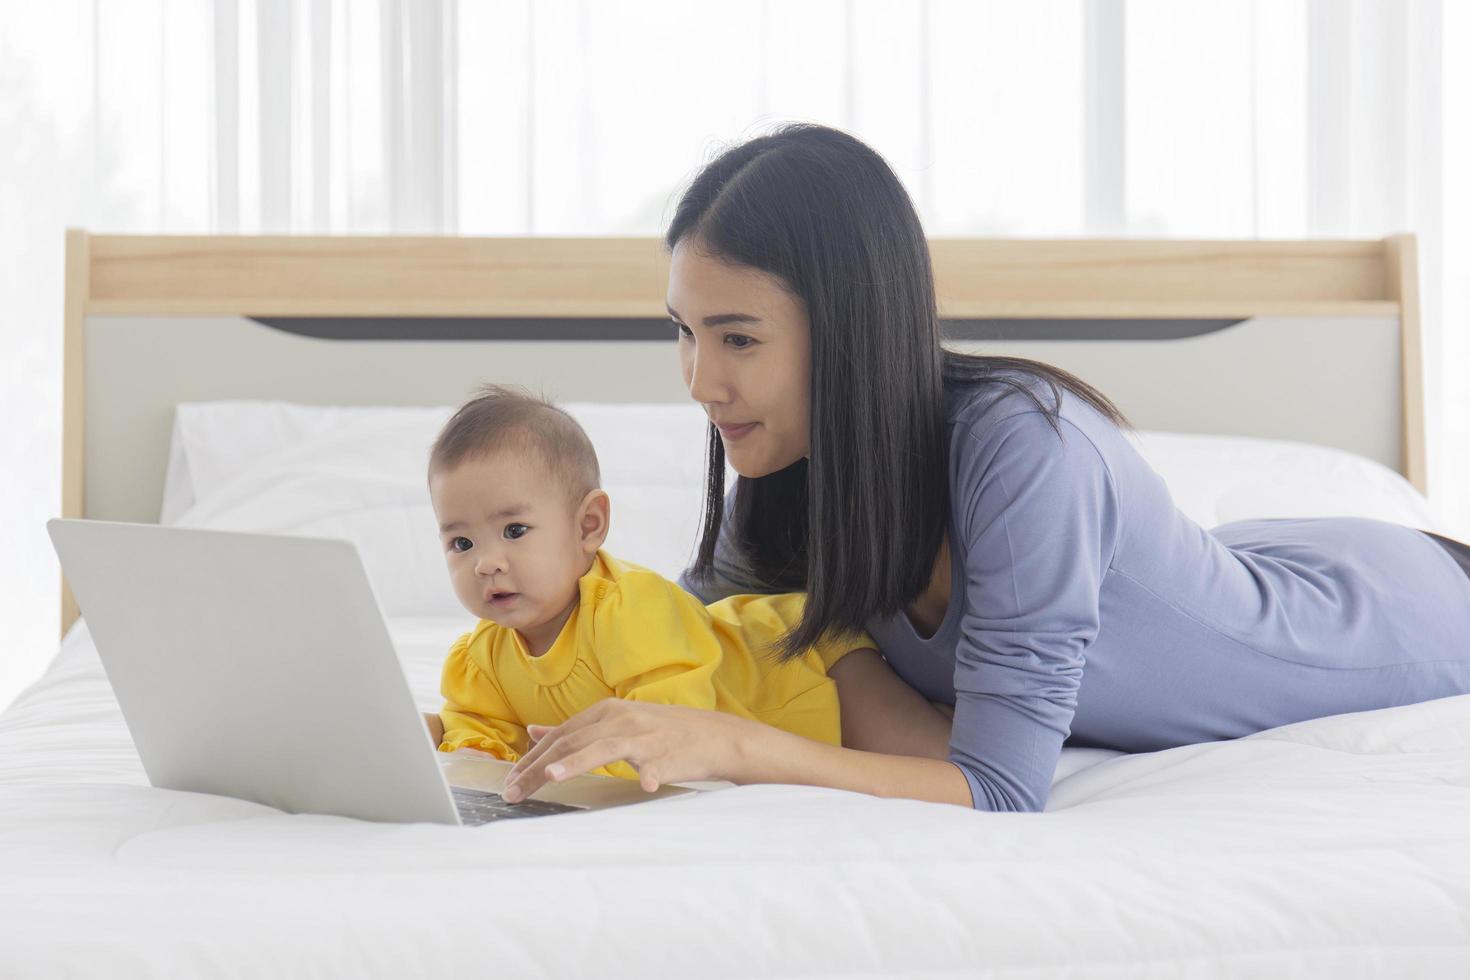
{"x": 461, "y": 544}
{"x": 681, "y": 331}
{"x": 739, "y": 341}
{"x": 514, "y": 531}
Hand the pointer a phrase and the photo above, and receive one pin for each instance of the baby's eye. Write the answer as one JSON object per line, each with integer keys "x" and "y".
{"x": 461, "y": 544}
{"x": 514, "y": 531}
{"x": 739, "y": 341}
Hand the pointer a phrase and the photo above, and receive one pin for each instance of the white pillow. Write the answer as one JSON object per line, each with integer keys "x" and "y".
{"x": 360, "y": 474}
{"x": 1219, "y": 479}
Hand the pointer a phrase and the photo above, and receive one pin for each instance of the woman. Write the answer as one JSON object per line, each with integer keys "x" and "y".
{"x": 985, "y": 519}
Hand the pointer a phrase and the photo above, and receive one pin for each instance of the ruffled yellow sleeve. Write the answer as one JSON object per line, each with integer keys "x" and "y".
{"x": 476, "y": 714}
{"x": 652, "y": 642}
{"x": 764, "y": 618}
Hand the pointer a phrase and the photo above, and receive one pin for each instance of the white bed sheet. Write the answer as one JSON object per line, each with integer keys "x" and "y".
{"x": 1339, "y": 847}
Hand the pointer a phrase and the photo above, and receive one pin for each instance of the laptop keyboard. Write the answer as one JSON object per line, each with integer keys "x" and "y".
{"x": 478, "y": 806}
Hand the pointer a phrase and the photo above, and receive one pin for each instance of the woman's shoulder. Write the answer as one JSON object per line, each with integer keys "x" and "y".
{"x": 1014, "y": 433}
{"x": 1013, "y": 400}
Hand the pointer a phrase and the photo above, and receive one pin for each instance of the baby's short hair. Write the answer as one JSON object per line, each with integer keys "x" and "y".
{"x": 506, "y": 417}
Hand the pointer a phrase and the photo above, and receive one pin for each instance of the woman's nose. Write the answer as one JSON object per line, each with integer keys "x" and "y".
{"x": 701, "y": 376}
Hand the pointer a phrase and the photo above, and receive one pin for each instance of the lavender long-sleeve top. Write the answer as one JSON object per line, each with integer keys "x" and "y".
{"x": 1086, "y": 607}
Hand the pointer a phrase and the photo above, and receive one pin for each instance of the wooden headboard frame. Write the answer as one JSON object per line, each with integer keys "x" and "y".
{"x": 625, "y": 278}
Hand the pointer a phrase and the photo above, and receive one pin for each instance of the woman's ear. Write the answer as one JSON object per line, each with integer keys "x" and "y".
{"x": 592, "y": 520}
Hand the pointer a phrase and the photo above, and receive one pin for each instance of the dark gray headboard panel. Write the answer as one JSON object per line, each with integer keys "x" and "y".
{"x": 1258, "y": 377}
{"x": 546, "y": 329}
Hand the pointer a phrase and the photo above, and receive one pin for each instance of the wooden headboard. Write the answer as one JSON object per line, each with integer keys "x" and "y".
{"x": 1316, "y": 341}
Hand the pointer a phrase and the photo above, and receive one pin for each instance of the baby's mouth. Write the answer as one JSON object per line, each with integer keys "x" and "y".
{"x": 501, "y": 598}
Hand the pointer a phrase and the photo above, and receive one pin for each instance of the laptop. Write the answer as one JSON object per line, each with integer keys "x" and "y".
{"x": 259, "y": 667}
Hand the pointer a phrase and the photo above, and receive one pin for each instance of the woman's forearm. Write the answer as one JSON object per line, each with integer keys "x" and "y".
{"x": 770, "y": 755}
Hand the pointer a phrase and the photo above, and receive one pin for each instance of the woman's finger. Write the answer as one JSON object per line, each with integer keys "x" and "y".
{"x": 534, "y": 753}
{"x": 529, "y": 773}
{"x": 525, "y": 783}
{"x": 560, "y": 761}
{"x": 560, "y": 746}
{"x": 601, "y": 752}
{"x": 551, "y": 734}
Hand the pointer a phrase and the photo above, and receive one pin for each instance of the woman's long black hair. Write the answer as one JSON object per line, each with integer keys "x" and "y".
{"x": 858, "y": 524}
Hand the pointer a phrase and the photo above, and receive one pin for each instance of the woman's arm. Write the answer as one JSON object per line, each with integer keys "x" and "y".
{"x": 673, "y": 743}
{"x": 881, "y": 713}
{"x": 1039, "y": 515}
{"x": 775, "y": 756}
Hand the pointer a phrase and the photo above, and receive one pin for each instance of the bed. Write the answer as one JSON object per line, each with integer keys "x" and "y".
{"x": 290, "y": 385}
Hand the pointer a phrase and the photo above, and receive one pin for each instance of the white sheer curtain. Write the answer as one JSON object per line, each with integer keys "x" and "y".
{"x": 1179, "y": 118}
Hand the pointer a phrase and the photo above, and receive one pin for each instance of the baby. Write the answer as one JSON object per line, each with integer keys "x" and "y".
{"x": 563, "y": 624}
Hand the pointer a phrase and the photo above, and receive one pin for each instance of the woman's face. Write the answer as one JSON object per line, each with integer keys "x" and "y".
{"x": 745, "y": 350}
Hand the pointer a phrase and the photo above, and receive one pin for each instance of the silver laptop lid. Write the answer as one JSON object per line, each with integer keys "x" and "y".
{"x": 254, "y": 666}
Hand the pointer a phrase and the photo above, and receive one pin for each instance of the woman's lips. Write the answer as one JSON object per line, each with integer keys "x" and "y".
{"x": 736, "y": 431}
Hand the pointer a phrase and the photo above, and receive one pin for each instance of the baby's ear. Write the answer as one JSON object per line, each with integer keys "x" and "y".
{"x": 592, "y": 520}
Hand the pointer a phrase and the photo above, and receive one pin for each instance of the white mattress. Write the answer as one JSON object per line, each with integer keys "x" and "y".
{"x": 1339, "y": 847}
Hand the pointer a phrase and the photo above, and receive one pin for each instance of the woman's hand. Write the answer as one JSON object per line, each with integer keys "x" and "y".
{"x": 669, "y": 743}
{"x": 666, "y": 743}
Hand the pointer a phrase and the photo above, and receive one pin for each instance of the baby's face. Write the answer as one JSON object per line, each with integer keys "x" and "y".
{"x": 510, "y": 538}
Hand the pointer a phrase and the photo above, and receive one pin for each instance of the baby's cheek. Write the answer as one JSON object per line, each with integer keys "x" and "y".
{"x": 462, "y": 585}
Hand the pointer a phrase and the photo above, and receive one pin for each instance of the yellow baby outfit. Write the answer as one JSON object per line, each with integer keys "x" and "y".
{"x": 636, "y": 635}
